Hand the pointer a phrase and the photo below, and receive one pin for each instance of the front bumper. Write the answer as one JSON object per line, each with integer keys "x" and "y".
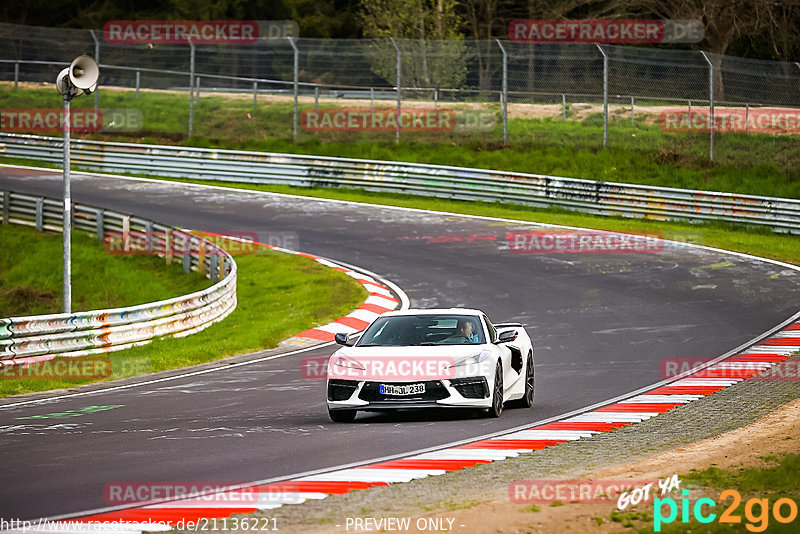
{"x": 470, "y": 392}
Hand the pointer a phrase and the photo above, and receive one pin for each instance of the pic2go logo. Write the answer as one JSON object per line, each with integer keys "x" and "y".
{"x": 756, "y": 511}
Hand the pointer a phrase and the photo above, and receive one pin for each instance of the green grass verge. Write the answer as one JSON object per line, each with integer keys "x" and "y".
{"x": 30, "y": 275}
{"x": 279, "y": 295}
{"x": 757, "y": 164}
{"x": 779, "y": 480}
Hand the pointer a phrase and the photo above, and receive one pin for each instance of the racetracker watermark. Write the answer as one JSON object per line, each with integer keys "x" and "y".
{"x": 379, "y": 120}
{"x": 606, "y": 31}
{"x": 583, "y": 491}
{"x": 81, "y": 120}
{"x": 732, "y": 120}
{"x": 759, "y": 367}
{"x": 50, "y": 120}
{"x": 393, "y": 368}
{"x": 582, "y": 242}
{"x": 180, "y": 31}
{"x": 135, "y": 243}
{"x": 193, "y": 493}
{"x": 60, "y": 368}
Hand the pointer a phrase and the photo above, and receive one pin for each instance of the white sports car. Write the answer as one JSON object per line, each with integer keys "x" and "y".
{"x": 438, "y": 358}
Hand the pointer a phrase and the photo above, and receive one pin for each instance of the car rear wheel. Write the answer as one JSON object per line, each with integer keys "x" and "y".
{"x": 342, "y": 416}
{"x": 497, "y": 393}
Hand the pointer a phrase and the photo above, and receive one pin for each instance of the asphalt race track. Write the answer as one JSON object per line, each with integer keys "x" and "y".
{"x": 601, "y": 325}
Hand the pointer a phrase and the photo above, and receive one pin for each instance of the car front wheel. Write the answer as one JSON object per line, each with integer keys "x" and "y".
{"x": 497, "y": 393}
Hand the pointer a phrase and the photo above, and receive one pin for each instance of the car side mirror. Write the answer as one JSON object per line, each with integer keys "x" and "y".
{"x": 343, "y": 338}
{"x": 506, "y": 336}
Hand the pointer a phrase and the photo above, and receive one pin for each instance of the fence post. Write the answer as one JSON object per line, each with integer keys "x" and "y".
{"x": 436, "y": 100}
{"x": 316, "y": 97}
{"x": 746, "y": 116}
{"x": 372, "y": 100}
{"x": 255, "y": 94}
{"x": 632, "y": 111}
{"x": 97, "y": 60}
{"x": 16, "y": 76}
{"x": 137, "y": 83}
{"x": 399, "y": 84}
{"x": 710, "y": 105}
{"x": 605, "y": 95}
{"x": 197, "y": 89}
{"x": 191, "y": 90}
{"x": 564, "y": 107}
{"x": 296, "y": 68}
{"x": 504, "y": 94}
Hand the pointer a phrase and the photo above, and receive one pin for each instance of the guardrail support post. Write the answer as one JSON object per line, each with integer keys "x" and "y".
{"x": 212, "y": 267}
{"x": 6, "y": 206}
{"x": 148, "y": 236}
{"x": 99, "y": 225}
{"x": 126, "y": 233}
{"x": 197, "y": 89}
{"x": 187, "y": 263}
{"x": 399, "y": 84}
{"x": 168, "y": 246}
{"x": 605, "y": 95}
{"x": 191, "y": 88}
{"x": 710, "y": 106}
{"x": 296, "y": 68}
{"x": 504, "y": 94}
{"x": 201, "y": 259}
{"x": 221, "y": 268}
{"x": 39, "y": 213}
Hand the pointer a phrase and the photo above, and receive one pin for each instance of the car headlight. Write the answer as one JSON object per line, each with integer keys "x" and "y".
{"x": 471, "y": 360}
{"x": 346, "y": 361}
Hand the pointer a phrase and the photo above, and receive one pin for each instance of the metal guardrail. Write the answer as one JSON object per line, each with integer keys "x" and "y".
{"x": 42, "y": 337}
{"x": 588, "y": 196}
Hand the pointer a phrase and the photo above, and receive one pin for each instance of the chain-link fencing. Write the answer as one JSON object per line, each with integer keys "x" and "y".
{"x": 496, "y": 92}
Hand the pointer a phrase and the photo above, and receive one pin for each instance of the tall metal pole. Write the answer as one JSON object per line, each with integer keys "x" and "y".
{"x": 710, "y": 105}
{"x": 97, "y": 59}
{"x": 191, "y": 89}
{"x": 505, "y": 92}
{"x": 399, "y": 80}
{"x": 66, "y": 305}
{"x": 296, "y": 68}
{"x": 605, "y": 95}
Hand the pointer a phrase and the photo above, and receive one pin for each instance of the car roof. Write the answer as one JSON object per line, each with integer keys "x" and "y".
{"x": 435, "y": 311}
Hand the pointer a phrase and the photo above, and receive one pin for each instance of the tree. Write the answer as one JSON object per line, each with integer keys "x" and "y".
{"x": 427, "y": 32}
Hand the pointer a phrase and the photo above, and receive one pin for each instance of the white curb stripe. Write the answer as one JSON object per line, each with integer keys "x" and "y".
{"x": 549, "y": 434}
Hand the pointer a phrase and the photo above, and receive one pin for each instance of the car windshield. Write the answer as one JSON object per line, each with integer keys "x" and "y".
{"x": 418, "y": 330}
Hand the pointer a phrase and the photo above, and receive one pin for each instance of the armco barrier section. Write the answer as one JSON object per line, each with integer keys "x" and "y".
{"x": 43, "y": 337}
{"x": 589, "y": 196}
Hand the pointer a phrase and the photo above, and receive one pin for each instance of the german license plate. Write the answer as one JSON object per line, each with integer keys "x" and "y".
{"x": 407, "y": 389}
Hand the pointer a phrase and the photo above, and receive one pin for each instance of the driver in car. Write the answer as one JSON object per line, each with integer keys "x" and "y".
{"x": 466, "y": 329}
